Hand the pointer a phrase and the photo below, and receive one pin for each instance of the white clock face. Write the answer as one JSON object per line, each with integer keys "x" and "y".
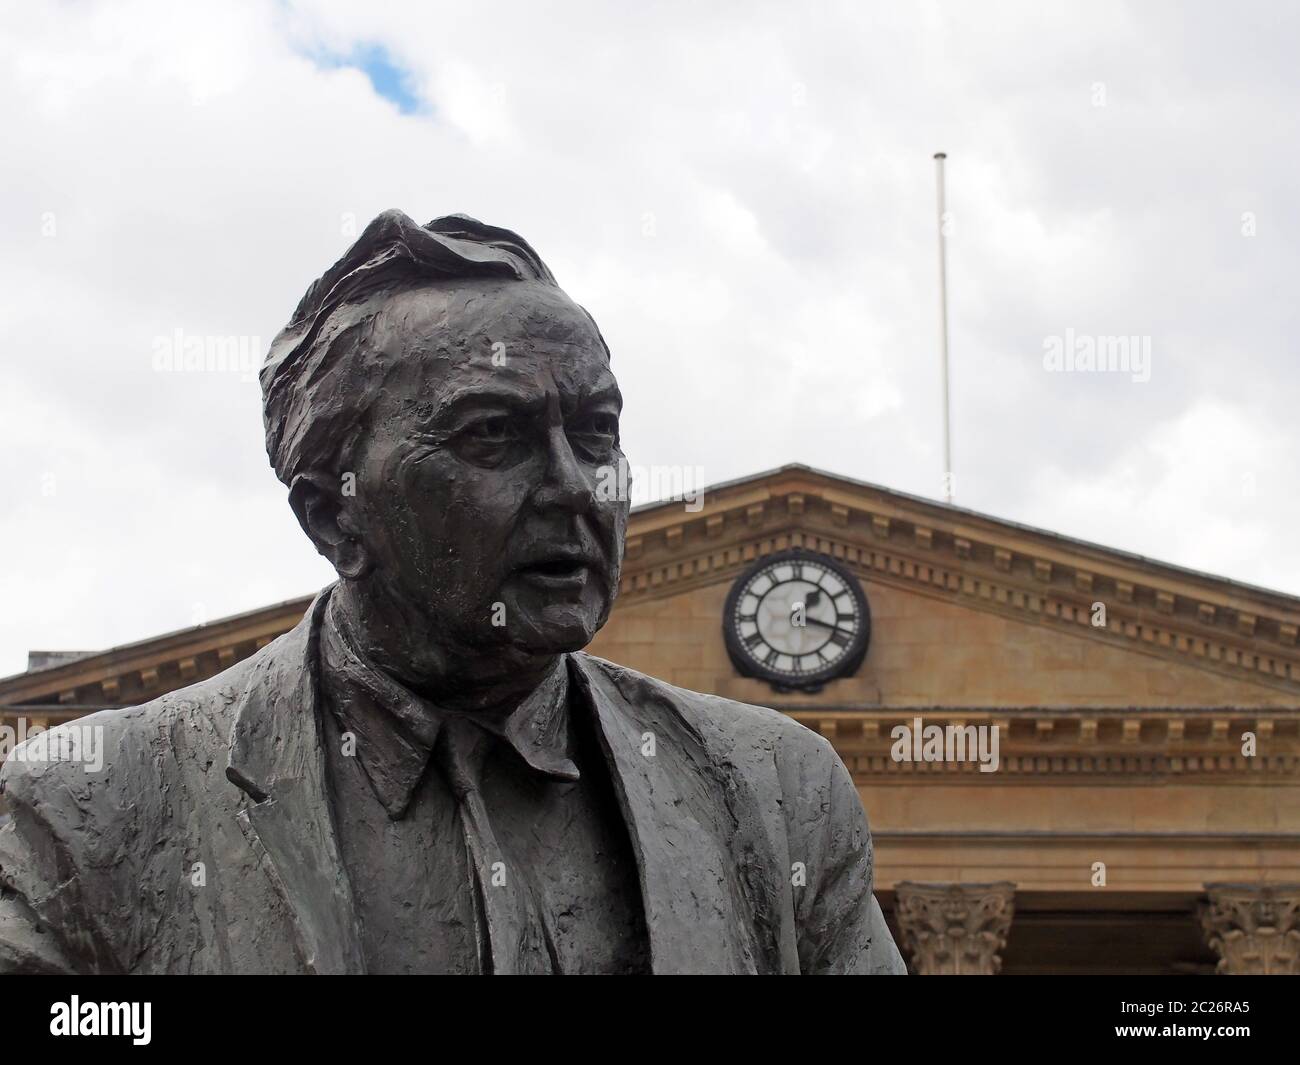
{"x": 799, "y": 619}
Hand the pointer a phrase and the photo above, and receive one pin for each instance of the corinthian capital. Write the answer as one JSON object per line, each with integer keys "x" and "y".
{"x": 1254, "y": 928}
{"x": 955, "y": 929}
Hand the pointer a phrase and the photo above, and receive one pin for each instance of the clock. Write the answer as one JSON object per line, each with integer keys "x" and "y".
{"x": 796, "y": 619}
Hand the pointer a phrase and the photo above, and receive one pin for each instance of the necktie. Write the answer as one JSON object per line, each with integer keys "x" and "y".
{"x": 511, "y": 935}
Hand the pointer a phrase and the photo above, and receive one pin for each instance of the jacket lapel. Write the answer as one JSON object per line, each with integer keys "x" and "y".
{"x": 276, "y": 757}
{"x": 703, "y": 856}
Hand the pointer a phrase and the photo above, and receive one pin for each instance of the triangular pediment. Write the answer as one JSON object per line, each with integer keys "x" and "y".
{"x": 1229, "y": 640}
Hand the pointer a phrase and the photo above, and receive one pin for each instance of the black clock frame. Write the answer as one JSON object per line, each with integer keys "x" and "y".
{"x": 846, "y": 665}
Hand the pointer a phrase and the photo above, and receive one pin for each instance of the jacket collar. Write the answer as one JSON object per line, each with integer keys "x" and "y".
{"x": 704, "y": 861}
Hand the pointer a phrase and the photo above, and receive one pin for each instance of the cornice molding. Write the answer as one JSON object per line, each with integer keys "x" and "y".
{"x": 141, "y": 671}
{"x": 1075, "y": 744}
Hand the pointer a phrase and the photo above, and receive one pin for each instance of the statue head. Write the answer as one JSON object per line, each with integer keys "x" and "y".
{"x": 445, "y": 417}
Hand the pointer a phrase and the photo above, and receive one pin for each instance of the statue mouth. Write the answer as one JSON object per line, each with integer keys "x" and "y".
{"x": 560, "y": 572}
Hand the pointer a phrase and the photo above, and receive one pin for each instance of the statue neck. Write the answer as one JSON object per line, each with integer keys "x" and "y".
{"x": 400, "y": 641}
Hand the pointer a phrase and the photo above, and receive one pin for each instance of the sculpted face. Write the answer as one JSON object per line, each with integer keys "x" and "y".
{"x": 478, "y": 470}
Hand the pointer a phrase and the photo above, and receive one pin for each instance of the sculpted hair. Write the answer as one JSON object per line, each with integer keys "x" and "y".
{"x": 302, "y": 418}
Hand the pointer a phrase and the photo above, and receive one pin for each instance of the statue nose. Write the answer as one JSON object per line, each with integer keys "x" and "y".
{"x": 566, "y": 485}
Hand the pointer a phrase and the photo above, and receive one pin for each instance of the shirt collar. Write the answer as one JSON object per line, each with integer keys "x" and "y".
{"x": 396, "y": 730}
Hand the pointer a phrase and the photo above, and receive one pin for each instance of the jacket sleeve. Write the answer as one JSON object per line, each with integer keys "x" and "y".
{"x": 27, "y": 944}
{"x": 43, "y": 924}
{"x": 841, "y": 929}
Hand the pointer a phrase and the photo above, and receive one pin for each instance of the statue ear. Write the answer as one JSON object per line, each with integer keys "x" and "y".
{"x": 327, "y": 515}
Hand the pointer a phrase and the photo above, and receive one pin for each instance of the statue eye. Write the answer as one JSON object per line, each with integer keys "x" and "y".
{"x": 490, "y": 439}
{"x": 594, "y": 436}
{"x": 492, "y": 430}
{"x": 599, "y": 423}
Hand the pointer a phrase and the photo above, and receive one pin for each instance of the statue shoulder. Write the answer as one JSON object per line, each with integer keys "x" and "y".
{"x": 105, "y": 756}
{"x": 741, "y": 724}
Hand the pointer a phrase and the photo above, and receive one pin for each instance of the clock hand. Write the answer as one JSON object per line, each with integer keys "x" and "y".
{"x": 826, "y": 625}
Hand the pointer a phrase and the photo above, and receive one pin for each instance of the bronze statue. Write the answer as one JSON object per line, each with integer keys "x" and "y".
{"x": 427, "y": 774}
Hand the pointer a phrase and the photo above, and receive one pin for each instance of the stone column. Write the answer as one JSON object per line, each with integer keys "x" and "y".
{"x": 954, "y": 929}
{"x": 1254, "y": 928}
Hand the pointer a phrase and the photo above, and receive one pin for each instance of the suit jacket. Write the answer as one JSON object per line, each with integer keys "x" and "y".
{"x": 207, "y": 842}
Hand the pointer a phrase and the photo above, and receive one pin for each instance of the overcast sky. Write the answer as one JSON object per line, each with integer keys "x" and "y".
{"x": 743, "y": 195}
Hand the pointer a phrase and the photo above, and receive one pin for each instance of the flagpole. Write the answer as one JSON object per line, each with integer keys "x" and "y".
{"x": 939, "y": 157}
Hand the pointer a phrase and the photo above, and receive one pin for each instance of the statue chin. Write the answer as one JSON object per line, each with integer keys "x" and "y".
{"x": 558, "y": 629}
{"x": 542, "y": 623}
